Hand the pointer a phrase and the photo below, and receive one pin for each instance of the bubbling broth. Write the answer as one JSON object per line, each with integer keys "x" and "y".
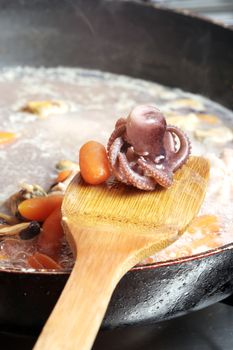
{"x": 52, "y": 112}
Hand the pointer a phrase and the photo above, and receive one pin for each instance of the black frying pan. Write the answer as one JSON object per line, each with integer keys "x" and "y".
{"x": 140, "y": 40}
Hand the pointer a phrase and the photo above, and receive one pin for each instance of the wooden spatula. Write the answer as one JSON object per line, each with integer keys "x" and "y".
{"x": 111, "y": 228}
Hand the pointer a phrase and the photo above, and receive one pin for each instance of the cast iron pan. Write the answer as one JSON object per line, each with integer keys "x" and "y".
{"x": 144, "y": 41}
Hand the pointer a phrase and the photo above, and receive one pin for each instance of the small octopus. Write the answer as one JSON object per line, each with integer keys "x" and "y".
{"x": 144, "y": 151}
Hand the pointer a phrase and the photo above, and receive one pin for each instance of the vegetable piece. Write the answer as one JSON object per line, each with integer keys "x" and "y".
{"x": 27, "y": 191}
{"x": 31, "y": 231}
{"x": 7, "y": 219}
{"x": 49, "y": 241}
{"x": 205, "y": 223}
{"x": 147, "y": 261}
{"x": 6, "y": 137}
{"x": 210, "y": 241}
{"x": 42, "y": 261}
{"x": 63, "y": 175}
{"x": 45, "y": 108}
{"x": 66, "y": 164}
{"x": 14, "y": 229}
{"x": 38, "y": 209}
{"x": 93, "y": 161}
{"x": 31, "y": 191}
{"x": 209, "y": 118}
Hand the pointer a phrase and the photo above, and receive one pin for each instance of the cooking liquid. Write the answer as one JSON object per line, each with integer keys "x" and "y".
{"x": 93, "y": 102}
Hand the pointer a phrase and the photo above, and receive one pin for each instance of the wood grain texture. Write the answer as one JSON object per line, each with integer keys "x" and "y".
{"x": 112, "y": 227}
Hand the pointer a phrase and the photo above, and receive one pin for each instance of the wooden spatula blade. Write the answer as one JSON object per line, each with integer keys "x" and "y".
{"x": 127, "y": 208}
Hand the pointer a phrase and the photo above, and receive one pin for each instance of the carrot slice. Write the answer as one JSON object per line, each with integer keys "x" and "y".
{"x": 93, "y": 161}
{"x": 210, "y": 240}
{"x": 42, "y": 261}
{"x": 205, "y": 223}
{"x": 208, "y": 118}
{"x": 39, "y": 208}
{"x": 34, "y": 263}
{"x": 49, "y": 240}
{"x": 63, "y": 175}
{"x": 6, "y": 137}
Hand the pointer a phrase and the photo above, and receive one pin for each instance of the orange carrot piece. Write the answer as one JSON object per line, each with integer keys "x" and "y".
{"x": 6, "y": 137}
{"x": 39, "y": 208}
{"x": 205, "y": 223}
{"x": 93, "y": 162}
{"x": 34, "y": 263}
{"x": 208, "y": 118}
{"x": 148, "y": 261}
{"x": 209, "y": 240}
{"x": 63, "y": 175}
{"x": 49, "y": 240}
{"x": 42, "y": 261}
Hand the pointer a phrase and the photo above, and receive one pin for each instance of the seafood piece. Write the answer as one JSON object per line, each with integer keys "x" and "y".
{"x": 144, "y": 151}
{"x": 45, "y": 108}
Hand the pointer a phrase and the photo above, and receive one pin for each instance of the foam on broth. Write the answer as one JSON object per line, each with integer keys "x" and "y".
{"x": 93, "y": 102}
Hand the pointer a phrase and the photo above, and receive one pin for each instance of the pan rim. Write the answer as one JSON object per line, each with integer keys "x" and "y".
{"x": 150, "y": 266}
{"x": 184, "y": 12}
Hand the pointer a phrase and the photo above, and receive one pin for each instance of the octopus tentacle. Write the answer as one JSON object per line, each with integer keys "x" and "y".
{"x": 142, "y": 182}
{"x": 177, "y": 159}
{"x": 162, "y": 177}
{"x": 114, "y": 150}
{"x": 113, "y": 157}
{"x": 169, "y": 142}
{"x": 120, "y": 122}
{"x": 117, "y": 132}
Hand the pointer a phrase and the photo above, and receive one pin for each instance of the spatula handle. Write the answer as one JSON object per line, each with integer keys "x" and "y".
{"x": 104, "y": 256}
{"x": 78, "y": 314}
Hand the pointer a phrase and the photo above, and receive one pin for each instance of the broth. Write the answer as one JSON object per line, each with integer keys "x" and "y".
{"x": 89, "y": 104}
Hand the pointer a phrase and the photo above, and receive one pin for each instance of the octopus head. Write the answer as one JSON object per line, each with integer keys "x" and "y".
{"x": 145, "y": 129}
